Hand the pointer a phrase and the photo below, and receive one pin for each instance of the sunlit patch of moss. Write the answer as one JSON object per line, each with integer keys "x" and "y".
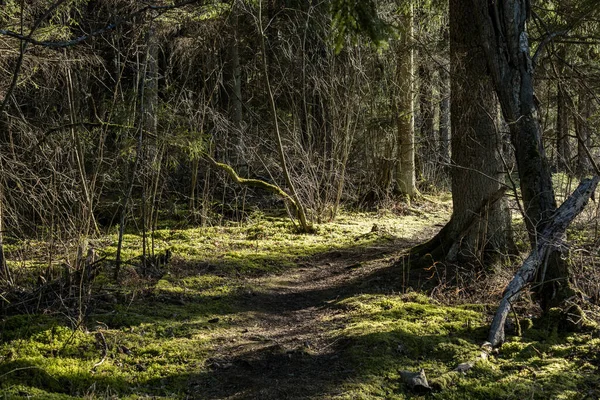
{"x": 165, "y": 331}
{"x": 393, "y": 333}
{"x": 159, "y": 329}
{"x": 56, "y": 360}
{"x": 270, "y": 244}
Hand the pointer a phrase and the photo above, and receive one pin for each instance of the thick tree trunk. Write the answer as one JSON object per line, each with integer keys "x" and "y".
{"x": 503, "y": 36}
{"x": 476, "y": 147}
{"x": 480, "y": 223}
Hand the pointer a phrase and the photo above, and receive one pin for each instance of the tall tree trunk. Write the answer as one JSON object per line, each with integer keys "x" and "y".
{"x": 480, "y": 222}
{"x": 586, "y": 110}
{"x": 563, "y": 148}
{"x": 476, "y": 146}
{"x": 305, "y": 224}
{"x": 444, "y": 127}
{"x": 503, "y": 36}
{"x": 426, "y": 108}
{"x": 236, "y": 87}
{"x": 405, "y": 172}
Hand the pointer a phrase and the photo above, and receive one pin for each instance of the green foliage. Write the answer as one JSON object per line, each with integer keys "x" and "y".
{"x": 409, "y": 332}
{"x": 354, "y": 18}
{"x": 179, "y": 17}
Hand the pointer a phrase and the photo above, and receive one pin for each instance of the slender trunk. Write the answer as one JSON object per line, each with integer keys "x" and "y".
{"x": 563, "y": 148}
{"x": 87, "y": 211}
{"x": 444, "y": 128}
{"x": 426, "y": 107}
{"x": 405, "y": 172}
{"x": 305, "y": 225}
{"x": 4, "y": 271}
{"x": 149, "y": 115}
{"x": 146, "y": 120}
{"x": 236, "y": 88}
{"x": 586, "y": 110}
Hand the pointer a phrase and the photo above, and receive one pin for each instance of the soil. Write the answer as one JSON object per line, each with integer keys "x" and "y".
{"x": 283, "y": 348}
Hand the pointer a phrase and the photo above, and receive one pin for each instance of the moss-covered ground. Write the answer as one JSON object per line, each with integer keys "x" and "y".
{"x": 257, "y": 311}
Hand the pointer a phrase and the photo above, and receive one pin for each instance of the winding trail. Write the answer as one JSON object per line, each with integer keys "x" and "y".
{"x": 285, "y": 346}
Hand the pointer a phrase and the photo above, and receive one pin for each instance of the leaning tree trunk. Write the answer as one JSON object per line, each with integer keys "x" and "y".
{"x": 480, "y": 223}
{"x": 503, "y": 36}
{"x": 550, "y": 239}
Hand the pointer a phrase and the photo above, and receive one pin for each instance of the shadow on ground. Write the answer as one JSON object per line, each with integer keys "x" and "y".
{"x": 319, "y": 330}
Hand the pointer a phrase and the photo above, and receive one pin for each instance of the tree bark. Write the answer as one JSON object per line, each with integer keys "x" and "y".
{"x": 235, "y": 96}
{"x": 479, "y": 229}
{"x": 550, "y": 239}
{"x": 426, "y": 107}
{"x": 444, "y": 127}
{"x": 563, "y": 148}
{"x": 586, "y": 110}
{"x": 504, "y": 38}
{"x": 405, "y": 172}
{"x": 305, "y": 225}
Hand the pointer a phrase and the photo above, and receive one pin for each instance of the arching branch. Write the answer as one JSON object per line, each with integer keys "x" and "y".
{"x": 251, "y": 182}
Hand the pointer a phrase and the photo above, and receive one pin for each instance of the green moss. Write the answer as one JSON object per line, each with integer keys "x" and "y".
{"x": 392, "y": 333}
{"x": 163, "y": 334}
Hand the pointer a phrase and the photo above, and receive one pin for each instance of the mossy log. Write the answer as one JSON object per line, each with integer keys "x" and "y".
{"x": 550, "y": 240}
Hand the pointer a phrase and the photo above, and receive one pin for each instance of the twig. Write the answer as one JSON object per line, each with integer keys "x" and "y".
{"x": 100, "y": 338}
{"x": 18, "y": 369}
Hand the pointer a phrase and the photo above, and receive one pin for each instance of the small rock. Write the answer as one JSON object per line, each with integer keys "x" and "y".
{"x": 464, "y": 367}
{"x": 487, "y": 347}
{"x": 416, "y": 381}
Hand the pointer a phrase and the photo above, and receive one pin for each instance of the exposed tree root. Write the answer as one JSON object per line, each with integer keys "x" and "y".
{"x": 446, "y": 245}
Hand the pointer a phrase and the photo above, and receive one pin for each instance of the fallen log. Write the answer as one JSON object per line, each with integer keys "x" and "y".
{"x": 549, "y": 240}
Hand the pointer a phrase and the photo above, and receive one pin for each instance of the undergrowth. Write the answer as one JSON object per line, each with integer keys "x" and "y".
{"x": 188, "y": 332}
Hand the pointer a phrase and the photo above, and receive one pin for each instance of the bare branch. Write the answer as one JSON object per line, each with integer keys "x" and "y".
{"x": 82, "y": 38}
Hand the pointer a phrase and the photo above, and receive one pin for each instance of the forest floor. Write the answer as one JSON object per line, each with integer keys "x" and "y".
{"x": 256, "y": 311}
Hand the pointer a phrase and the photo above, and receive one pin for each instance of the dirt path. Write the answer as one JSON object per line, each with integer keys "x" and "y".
{"x": 284, "y": 347}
